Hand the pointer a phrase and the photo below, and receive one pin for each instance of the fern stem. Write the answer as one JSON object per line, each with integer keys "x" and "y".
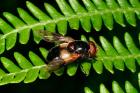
{"x": 26, "y": 70}
{"x": 118, "y": 57}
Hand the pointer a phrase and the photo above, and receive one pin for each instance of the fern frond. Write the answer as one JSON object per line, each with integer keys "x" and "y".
{"x": 128, "y": 87}
{"x": 118, "y": 55}
{"x": 25, "y": 70}
{"x": 109, "y": 56}
{"x": 92, "y": 14}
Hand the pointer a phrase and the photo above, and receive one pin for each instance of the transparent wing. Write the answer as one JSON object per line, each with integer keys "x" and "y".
{"x": 54, "y": 37}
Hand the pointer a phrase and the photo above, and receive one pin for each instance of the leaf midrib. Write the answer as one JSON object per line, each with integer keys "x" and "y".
{"x": 118, "y": 57}
{"x": 24, "y": 70}
{"x": 111, "y": 58}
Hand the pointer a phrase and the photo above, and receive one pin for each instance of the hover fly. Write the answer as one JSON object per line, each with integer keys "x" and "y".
{"x": 67, "y": 50}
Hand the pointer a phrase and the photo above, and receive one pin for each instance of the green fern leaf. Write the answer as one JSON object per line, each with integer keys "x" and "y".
{"x": 118, "y": 54}
{"x": 24, "y": 71}
{"x": 108, "y": 56}
{"x": 8, "y": 34}
{"x": 116, "y": 88}
{"x": 73, "y": 12}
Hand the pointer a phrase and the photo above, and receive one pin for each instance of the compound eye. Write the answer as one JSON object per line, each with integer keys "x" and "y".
{"x": 93, "y": 49}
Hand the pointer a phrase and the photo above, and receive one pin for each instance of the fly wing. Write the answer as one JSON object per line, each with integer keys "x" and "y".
{"x": 54, "y": 37}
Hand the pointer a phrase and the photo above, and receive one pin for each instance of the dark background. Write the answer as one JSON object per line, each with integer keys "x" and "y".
{"x": 12, "y": 5}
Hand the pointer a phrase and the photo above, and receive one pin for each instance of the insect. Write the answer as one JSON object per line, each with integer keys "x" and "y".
{"x": 67, "y": 50}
